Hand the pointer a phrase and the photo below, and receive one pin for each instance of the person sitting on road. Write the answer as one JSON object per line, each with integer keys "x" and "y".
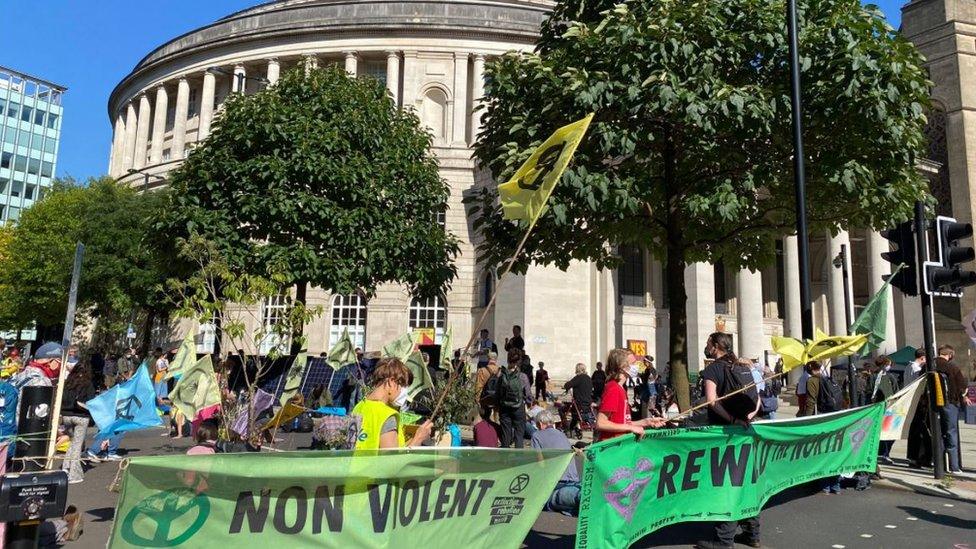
{"x": 380, "y": 409}
{"x": 565, "y": 496}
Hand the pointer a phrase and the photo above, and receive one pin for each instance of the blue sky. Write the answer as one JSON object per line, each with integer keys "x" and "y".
{"x": 89, "y": 46}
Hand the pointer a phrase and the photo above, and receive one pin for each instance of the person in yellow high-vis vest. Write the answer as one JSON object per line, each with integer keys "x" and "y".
{"x": 382, "y": 427}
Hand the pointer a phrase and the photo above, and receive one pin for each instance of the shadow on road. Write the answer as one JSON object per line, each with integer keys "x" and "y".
{"x": 102, "y": 514}
{"x": 939, "y": 518}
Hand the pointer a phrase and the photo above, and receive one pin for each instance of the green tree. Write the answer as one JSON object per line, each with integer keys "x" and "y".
{"x": 690, "y": 152}
{"x": 323, "y": 177}
{"x": 120, "y": 272}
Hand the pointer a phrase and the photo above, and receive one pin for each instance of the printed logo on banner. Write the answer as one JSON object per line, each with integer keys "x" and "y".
{"x": 504, "y": 509}
{"x": 625, "y": 487}
{"x": 166, "y": 519}
{"x": 518, "y": 484}
{"x": 859, "y": 432}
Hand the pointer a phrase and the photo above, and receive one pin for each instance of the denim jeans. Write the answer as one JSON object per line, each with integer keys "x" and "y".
{"x": 565, "y": 498}
{"x": 950, "y": 433}
{"x": 113, "y": 444}
{"x": 830, "y": 484}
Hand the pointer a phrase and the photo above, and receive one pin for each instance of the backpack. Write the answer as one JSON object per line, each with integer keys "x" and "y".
{"x": 489, "y": 393}
{"x": 739, "y": 405}
{"x": 510, "y": 392}
{"x": 829, "y": 398}
{"x": 770, "y": 402}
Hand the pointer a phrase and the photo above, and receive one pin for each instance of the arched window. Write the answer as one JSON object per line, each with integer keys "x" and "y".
{"x": 348, "y": 313}
{"x": 430, "y": 312}
{"x": 434, "y": 112}
{"x": 631, "y": 279}
{"x": 273, "y": 311}
{"x": 487, "y": 287}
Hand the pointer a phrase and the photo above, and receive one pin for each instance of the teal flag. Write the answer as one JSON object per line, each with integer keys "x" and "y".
{"x": 197, "y": 388}
{"x": 631, "y": 488}
{"x": 421, "y": 375}
{"x": 343, "y": 352}
{"x": 872, "y": 320}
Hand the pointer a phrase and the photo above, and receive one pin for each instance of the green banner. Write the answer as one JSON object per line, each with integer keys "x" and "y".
{"x": 450, "y": 497}
{"x": 631, "y": 488}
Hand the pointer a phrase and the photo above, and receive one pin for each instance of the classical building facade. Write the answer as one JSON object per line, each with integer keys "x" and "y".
{"x": 431, "y": 55}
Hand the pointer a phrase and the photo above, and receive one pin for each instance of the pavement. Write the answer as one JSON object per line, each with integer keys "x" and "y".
{"x": 908, "y": 508}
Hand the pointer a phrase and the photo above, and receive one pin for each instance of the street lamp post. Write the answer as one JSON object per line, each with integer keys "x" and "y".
{"x": 840, "y": 262}
{"x": 241, "y": 77}
{"x": 803, "y": 252}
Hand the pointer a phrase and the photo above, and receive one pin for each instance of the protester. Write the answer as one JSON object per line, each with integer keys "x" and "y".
{"x": 954, "y": 392}
{"x": 525, "y": 365}
{"x": 916, "y": 367}
{"x": 613, "y": 418}
{"x": 73, "y": 357}
{"x": 485, "y": 346}
{"x": 206, "y": 439}
{"x": 648, "y": 392}
{"x": 380, "y": 410}
{"x": 47, "y": 361}
{"x": 769, "y": 394}
{"x": 861, "y": 388}
{"x": 78, "y": 389}
{"x": 565, "y": 496}
{"x": 512, "y": 394}
{"x": 599, "y": 382}
{"x": 516, "y": 341}
{"x": 485, "y": 431}
{"x": 721, "y": 379}
{"x": 541, "y": 382}
{"x": 127, "y": 365}
{"x": 582, "y": 410}
{"x": 486, "y": 403}
{"x": 801, "y": 392}
{"x": 160, "y": 367}
{"x": 110, "y": 370}
{"x": 883, "y": 386}
{"x": 818, "y": 389}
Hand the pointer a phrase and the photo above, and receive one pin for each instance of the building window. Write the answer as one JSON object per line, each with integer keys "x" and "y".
{"x": 29, "y": 193}
{"x": 207, "y": 335}
{"x": 273, "y": 312}
{"x": 434, "y": 112}
{"x": 935, "y": 131}
{"x": 487, "y": 287}
{"x": 192, "y": 105}
{"x": 429, "y": 313}
{"x": 441, "y": 216}
{"x": 348, "y": 313}
{"x": 374, "y": 69}
{"x": 631, "y": 279}
{"x": 721, "y": 289}
{"x": 166, "y": 154}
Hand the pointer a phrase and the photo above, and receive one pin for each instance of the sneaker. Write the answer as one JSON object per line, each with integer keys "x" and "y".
{"x": 832, "y": 491}
{"x": 113, "y": 457}
{"x": 955, "y": 471}
{"x": 746, "y": 539}
{"x": 92, "y": 456}
{"x": 886, "y": 460}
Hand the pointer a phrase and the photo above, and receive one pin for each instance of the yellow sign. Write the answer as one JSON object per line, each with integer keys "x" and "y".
{"x": 525, "y": 195}
{"x": 424, "y": 336}
{"x": 638, "y": 347}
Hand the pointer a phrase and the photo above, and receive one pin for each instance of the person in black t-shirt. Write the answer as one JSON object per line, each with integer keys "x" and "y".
{"x": 599, "y": 381}
{"x": 541, "y": 382}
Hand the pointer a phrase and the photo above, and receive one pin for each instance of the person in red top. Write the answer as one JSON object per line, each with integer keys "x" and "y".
{"x": 613, "y": 418}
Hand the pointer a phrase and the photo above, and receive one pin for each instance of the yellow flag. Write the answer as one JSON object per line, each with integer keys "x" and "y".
{"x": 797, "y": 353}
{"x": 791, "y": 350}
{"x": 525, "y": 195}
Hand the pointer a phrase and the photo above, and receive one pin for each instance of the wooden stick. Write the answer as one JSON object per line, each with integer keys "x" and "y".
{"x": 689, "y": 411}
{"x": 481, "y": 320}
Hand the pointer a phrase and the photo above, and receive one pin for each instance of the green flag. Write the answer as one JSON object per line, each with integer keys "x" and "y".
{"x": 185, "y": 356}
{"x": 872, "y": 320}
{"x": 343, "y": 352}
{"x": 446, "y": 352}
{"x": 197, "y": 389}
{"x": 293, "y": 380}
{"x": 421, "y": 376}
{"x": 400, "y": 347}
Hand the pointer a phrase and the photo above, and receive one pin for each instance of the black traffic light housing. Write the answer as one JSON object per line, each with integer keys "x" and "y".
{"x": 946, "y": 277}
{"x": 902, "y": 238}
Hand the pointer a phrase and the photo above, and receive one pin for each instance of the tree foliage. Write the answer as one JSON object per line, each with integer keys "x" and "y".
{"x": 322, "y": 177}
{"x": 120, "y": 272}
{"x": 690, "y": 152}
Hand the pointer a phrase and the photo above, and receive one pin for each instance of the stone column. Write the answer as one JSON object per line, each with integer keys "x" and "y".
{"x": 118, "y": 146}
{"x": 142, "y": 132}
{"x": 410, "y": 68}
{"x": 460, "y": 99}
{"x": 238, "y": 83}
{"x": 835, "y": 284}
{"x": 310, "y": 62}
{"x": 878, "y": 268}
{"x": 206, "y": 105}
{"x": 179, "y": 121}
{"x": 129, "y": 143}
{"x": 700, "y": 286}
{"x": 477, "y": 92}
{"x": 274, "y": 70}
{"x": 393, "y": 76}
{"x": 749, "y": 309}
{"x": 791, "y": 279}
{"x": 159, "y": 125}
{"x": 352, "y": 63}
{"x": 909, "y": 314}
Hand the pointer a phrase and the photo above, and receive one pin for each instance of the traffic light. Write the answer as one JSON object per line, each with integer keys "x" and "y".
{"x": 945, "y": 277}
{"x": 902, "y": 238}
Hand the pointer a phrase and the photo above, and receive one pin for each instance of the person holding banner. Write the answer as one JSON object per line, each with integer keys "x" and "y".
{"x": 721, "y": 379}
{"x": 380, "y": 410}
{"x": 613, "y": 418}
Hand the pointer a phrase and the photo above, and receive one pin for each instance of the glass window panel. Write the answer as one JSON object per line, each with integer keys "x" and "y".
{"x": 13, "y": 109}
{"x": 47, "y": 169}
{"x": 34, "y": 166}
{"x": 29, "y": 192}
{"x": 26, "y": 114}
{"x": 20, "y": 163}
{"x": 50, "y": 145}
{"x": 14, "y": 213}
{"x": 17, "y": 189}
{"x": 39, "y": 117}
{"x": 6, "y": 160}
{"x": 52, "y": 121}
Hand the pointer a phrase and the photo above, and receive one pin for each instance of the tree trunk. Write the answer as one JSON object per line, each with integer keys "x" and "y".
{"x": 146, "y": 345}
{"x": 675, "y": 277}
{"x": 301, "y": 289}
{"x": 218, "y": 323}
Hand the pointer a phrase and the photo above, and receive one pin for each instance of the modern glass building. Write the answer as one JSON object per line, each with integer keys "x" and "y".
{"x": 30, "y": 129}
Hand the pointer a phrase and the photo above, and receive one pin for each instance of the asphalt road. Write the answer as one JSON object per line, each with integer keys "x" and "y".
{"x": 801, "y": 517}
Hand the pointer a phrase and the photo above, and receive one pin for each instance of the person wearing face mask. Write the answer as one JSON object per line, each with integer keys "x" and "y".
{"x": 380, "y": 410}
{"x": 613, "y": 418}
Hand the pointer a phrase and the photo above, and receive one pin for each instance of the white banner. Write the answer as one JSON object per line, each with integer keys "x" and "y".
{"x": 900, "y": 409}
